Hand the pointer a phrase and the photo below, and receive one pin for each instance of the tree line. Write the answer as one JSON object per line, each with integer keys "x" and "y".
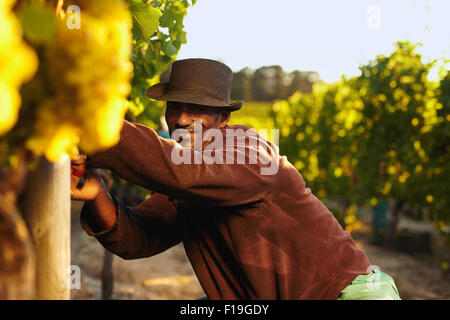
{"x": 269, "y": 83}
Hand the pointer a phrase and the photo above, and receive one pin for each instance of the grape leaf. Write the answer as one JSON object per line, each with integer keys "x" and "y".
{"x": 39, "y": 23}
{"x": 146, "y": 16}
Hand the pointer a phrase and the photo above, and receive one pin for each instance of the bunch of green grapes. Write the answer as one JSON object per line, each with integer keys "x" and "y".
{"x": 18, "y": 63}
{"x": 87, "y": 72}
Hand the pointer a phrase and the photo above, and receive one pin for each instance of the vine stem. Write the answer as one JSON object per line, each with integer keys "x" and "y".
{"x": 59, "y": 8}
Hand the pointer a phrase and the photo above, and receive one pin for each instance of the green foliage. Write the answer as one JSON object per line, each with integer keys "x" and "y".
{"x": 254, "y": 114}
{"x": 151, "y": 56}
{"x": 399, "y": 108}
{"x": 39, "y": 23}
{"x": 438, "y": 148}
{"x": 382, "y": 134}
{"x": 145, "y": 16}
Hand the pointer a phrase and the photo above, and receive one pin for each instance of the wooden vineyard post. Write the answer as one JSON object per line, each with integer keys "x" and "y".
{"x": 47, "y": 214}
{"x": 17, "y": 263}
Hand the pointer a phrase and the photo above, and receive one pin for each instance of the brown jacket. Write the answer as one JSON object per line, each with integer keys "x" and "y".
{"x": 247, "y": 235}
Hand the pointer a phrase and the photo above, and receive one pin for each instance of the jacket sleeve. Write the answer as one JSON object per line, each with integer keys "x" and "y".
{"x": 139, "y": 232}
{"x": 144, "y": 158}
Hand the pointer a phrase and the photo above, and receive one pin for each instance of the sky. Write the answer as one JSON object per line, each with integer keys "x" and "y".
{"x": 331, "y": 37}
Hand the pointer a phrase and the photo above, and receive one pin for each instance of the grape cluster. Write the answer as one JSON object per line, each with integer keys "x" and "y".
{"x": 87, "y": 72}
{"x": 18, "y": 63}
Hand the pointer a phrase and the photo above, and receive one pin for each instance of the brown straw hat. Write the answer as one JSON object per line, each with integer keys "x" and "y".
{"x": 199, "y": 81}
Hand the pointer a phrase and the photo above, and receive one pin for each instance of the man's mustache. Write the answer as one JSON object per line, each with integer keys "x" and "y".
{"x": 189, "y": 129}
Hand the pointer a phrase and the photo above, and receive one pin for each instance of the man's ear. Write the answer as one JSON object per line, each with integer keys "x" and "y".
{"x": 224, "y": 117}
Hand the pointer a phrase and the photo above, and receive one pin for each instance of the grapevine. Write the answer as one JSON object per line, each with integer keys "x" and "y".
{"x": 381, "y": 135}
{"x": 88, "y": 73}
{"x": 18, "y": 63}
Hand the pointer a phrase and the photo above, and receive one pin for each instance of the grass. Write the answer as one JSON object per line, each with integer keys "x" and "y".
{"x": 255, "y": 115}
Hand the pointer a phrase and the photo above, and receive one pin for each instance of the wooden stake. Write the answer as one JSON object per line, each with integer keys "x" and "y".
{"x": 47, "y": 214}
{"x": 17, "y": 264}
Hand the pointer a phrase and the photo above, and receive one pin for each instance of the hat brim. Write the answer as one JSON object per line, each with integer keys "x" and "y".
{"x": 161, "y": 91}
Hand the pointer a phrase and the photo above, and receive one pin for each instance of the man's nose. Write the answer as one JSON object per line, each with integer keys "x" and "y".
{"x": 184, "y": 119}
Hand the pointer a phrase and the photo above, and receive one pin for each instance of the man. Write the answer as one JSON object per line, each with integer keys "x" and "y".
{"x": 248, "y": 234}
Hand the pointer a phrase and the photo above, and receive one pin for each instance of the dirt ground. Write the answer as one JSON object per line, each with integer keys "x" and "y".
{"x": 170, "y": 276}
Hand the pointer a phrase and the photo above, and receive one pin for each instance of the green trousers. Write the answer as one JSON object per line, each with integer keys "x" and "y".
{"x": 376, "y": 285}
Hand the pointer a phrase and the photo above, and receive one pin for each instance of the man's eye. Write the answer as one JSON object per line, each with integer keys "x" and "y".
{"x": 198, "y": 109}
{"x": 173, "y": 108}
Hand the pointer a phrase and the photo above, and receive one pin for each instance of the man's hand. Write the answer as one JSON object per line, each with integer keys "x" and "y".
{"x": 86, "y": 184}
{"x": 91, "y": 187}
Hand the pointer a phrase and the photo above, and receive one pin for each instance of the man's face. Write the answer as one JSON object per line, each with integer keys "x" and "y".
{"x": 180, "y": 115}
